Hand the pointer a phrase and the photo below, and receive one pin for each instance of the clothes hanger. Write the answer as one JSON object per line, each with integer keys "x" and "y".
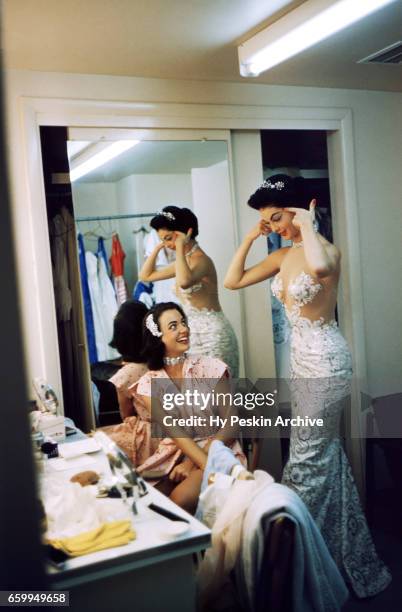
{"x": 93, "y": 233}
{"x": 142, "y": 229}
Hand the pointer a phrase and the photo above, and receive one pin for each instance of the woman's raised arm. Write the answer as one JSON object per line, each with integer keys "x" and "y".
{"x": 149, "y": 274}
{"x": 237, "y": 277}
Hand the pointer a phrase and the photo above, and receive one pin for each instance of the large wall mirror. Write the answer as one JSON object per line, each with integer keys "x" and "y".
{"x": 119, "y": 180}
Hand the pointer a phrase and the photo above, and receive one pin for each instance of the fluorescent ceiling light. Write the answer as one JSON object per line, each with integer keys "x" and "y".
{"x": 97, "y": 160}
{"x": 300, "y": 29}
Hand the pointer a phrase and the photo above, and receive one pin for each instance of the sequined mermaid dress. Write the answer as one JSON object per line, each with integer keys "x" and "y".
{"x": 211, "y": 333}
{"x": 317, "y": 468}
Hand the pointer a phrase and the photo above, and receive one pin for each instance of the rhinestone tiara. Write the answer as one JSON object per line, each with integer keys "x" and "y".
{"x": 279, "y": 185}
{"x": 168, "y": 215}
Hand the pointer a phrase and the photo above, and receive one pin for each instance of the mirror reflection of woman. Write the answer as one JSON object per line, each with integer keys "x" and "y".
{"x": 134, "y": 435}
{"x": 196, "y": 285}
{"x": 306, "y": 277}
{"x": 166, "y": 342}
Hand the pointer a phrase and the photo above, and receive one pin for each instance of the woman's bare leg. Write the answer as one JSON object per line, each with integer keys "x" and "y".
{"x": 165, "y": 486}
{"x": 187, "y": 492}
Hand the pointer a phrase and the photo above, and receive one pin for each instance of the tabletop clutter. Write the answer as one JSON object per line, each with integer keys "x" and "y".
{"x": 88, "y": 489}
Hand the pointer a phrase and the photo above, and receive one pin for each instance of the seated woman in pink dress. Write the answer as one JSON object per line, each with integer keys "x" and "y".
{"x": 166, "y": 340}
{"x": 133, "y": 435}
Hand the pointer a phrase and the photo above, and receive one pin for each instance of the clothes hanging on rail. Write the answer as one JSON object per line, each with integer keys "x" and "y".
{"x": 164, "y": 290}
{"x": 104, "y": 305}
{"x": 280, "y": 324}
{"x": 89, "y": 320}
{"x": 140, "y": 236}
{"x": 101, "y": 252}
{"x": 143, "y": 292}
{"x": 71, "y": 331}
{"x": 60, "y": 268}
{"x": 117, "y": 265}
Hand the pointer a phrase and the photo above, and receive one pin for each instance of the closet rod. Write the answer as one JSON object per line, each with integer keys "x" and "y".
{"x": 113, "y": 217}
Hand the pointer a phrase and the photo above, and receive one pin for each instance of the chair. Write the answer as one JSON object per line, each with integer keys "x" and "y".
{"x": 387, "y": 422}
{"x": 274, "y": 588}
{"x": 101, "y": 371}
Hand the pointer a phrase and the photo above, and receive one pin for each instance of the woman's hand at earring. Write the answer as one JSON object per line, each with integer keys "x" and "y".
{"x": 303, "y": 217}
{"x": 182, "y": 238}
{"x": 159, "y": 247}
{"x": 261, "y": 229}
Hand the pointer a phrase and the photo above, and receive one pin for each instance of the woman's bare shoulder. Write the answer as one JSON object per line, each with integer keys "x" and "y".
{"x": 280, "y": 254}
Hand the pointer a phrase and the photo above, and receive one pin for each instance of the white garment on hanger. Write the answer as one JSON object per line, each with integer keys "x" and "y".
{"x": 139, "y": 238}
{"x": 104, "y": 305}
{"x": 165, "y": 256}
{"x": 109, "y": 306}
{"x": 163, "y": 289}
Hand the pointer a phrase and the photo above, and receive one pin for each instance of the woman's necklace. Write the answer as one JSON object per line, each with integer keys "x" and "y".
{"x": 171, "y": 361}
{"x": 297, "y": 245}
{"x": 193, "y": 249}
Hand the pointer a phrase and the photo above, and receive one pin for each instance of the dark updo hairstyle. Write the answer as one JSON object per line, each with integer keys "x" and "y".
{"x": 127, "y": 330}
{"x": 280, "y": 191}
{"x": 153, "y": 348}
{"x": 176, "y": 219}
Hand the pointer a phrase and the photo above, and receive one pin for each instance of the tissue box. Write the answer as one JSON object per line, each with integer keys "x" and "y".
{"x": 52, "y": 426}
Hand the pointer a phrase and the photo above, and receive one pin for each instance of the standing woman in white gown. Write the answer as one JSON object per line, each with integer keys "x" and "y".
{"x": 196, "y": 286}
{"x": 306, "y": 277}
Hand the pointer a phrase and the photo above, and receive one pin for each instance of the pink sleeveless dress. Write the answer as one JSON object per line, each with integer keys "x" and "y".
{"x": 196, "y": 368}
{"x": 133, "y": 435}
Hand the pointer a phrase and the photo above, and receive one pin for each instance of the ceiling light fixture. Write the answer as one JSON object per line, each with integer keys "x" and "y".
{"x": 97, "y": 160}
{"x": 300, "y": 29}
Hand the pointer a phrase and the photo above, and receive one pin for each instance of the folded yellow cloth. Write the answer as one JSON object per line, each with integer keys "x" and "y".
{"x": 107, "y": 535}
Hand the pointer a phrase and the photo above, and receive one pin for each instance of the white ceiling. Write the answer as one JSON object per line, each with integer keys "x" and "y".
{"x": 166, "y": 157}
{"x": 188, "y": 39}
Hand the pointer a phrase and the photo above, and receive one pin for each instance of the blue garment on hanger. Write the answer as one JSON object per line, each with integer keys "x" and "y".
{"x": 274, "y": 242}
{"x": 101, "y": 252}
{"x": 141, "y": 287}
{"x": 280, "y": 325}
{"x": 89, "y": 320}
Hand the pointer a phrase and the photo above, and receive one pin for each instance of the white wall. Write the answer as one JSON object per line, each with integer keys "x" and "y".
{"x": 147, "y": 193}
{"x": 95, "y": 199}
{"x": 213, "y": 208}
{"x": 377, "y": 118}
{"x": 137, "y": 193}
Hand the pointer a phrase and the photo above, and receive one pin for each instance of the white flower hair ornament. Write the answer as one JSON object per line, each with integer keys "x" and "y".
{"x": 152, "y": 326}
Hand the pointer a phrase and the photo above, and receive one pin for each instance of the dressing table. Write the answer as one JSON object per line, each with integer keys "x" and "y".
{"x": 149, "y": 573}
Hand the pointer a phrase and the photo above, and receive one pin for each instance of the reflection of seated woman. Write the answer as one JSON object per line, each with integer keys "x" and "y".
{"x": 133, "y": 436}
{"x": 196, "y": 285}
{"x": 166, "y": 340}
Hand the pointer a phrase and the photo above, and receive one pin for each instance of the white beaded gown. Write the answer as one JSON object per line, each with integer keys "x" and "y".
{"x": 317, "y": 468}
{"x": 211, "y": 333}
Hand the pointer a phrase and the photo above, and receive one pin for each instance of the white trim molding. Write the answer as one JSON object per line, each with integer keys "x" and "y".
{"x": 95, "y": 115}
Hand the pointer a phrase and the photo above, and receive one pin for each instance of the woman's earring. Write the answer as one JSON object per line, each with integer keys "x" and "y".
{"x": 314, "y": 221}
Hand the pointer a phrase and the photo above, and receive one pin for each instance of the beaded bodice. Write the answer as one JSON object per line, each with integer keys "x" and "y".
{"x": 192, "y": 289}
{"x": 302, "y": 290}
{"x": 197, "y": 286}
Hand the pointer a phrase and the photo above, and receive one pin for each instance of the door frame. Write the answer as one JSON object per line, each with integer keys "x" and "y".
{"x": 31, "y": 225}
